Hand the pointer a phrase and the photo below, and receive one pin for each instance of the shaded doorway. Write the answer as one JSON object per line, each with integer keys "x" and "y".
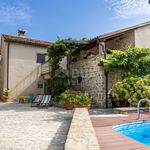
{"x": 46, "y": 87}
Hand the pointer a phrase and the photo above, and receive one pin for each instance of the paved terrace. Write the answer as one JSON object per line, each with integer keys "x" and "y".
{"x": 111, "y": 140}
{"x": 26, "y": 128}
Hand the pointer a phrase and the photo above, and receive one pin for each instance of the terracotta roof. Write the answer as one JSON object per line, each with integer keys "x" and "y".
{"x": 24, "y": 40}
{"x": 106, "y": 36}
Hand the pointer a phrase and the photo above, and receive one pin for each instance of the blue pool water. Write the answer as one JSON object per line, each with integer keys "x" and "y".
{"x": 139, "y": 131}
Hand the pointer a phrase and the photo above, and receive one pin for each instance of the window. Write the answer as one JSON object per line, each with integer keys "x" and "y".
{"x": 79, "y": 80}
{"x": 40, "y": 58}
{"x": 40, "y": 86}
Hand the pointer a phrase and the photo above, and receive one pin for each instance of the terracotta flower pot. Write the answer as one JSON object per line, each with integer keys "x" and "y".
{"x": 5, "y": 98}
{"x": 68, "y": 105}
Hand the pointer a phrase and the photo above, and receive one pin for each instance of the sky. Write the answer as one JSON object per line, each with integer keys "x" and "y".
{"x": 49, "y": 19}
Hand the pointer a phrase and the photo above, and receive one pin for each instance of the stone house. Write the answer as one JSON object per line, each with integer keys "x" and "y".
{"x": 21, "y": 68}
{"x": 87, "y": 72}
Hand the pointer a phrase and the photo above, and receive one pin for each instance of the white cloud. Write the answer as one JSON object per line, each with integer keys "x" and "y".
{"x": 14, "y": 14}
{"x": 129, "y": 8}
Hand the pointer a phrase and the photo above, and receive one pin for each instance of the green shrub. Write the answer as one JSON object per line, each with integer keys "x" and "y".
{"x": 75, "y": 97}
{"x": 58, "y": 84}
{"x": 135, "y": 61}
{"x": 132, "y": 89}
{"x": 135, "y": 83}
{"x": 6, "y": 91}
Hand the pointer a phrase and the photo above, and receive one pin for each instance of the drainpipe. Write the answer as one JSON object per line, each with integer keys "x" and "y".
{"x": 8, "y": 48}
{"x": 102, "y": 44}
{"x": 68, "y": 67}
{"x": 1, "y": 87}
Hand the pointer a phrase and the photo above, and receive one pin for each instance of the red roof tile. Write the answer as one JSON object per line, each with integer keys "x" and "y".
{"x": 24, "y": 40}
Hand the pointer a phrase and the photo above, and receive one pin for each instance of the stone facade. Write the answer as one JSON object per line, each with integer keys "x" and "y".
{"x": 92, "y": 76}
{"x": 88, "y": 76}
{"x": 121, "y": 42}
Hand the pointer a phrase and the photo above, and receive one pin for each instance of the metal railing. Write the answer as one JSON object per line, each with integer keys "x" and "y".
{"x": 138, "y": 111}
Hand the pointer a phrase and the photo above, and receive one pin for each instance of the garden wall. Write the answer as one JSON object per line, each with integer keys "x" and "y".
{"x": 81, "y": 134}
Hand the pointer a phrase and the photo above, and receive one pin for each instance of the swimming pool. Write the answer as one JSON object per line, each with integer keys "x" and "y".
{"x": 139, "y": 131}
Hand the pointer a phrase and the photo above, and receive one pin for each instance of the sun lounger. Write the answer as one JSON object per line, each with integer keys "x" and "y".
{"x": 45, "y": 101}
{"x": 37, "y": 100}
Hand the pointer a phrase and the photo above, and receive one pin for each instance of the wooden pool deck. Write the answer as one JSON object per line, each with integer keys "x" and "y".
{"x": 111, "y": 140}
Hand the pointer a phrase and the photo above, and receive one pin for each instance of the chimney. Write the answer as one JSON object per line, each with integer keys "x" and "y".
{"x": 21, "y": 33}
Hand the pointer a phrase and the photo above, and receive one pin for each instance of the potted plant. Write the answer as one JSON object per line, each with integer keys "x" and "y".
{"x": 5, "y": 95}
{"x": 73, "y": 99}
{"x": 82, "y": 100}
{"x": 67, "y": 97}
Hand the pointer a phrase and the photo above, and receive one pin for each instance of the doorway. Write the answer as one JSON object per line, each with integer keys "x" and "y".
{"x": 46, "y": 87}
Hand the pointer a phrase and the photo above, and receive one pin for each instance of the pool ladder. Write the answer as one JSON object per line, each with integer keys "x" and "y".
{"x": 139, "y": 106}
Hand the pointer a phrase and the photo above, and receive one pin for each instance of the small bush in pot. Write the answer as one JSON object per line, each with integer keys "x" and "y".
{"x": 68, "y": 96}
{"x": 74, "y": 99}
{"x": 5, "y": 95}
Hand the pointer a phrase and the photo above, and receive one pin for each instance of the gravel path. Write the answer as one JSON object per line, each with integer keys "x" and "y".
{"x": 26, "y": 128}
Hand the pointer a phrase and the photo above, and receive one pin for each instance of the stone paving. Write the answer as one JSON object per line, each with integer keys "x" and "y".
{"x": 98, "y": 111}
{"x": 26, "y": 128}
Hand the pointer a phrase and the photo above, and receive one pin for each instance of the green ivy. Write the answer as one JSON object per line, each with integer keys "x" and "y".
{"x": 59, "y": 83}
{"x": 136, "y": 61}
{"x": 135, "y": 83}
{"x": 61, "y": 48}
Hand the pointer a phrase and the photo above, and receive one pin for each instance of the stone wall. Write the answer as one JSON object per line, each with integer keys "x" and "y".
{"x": 81, "y": 134}
{"x": 93, "y": 79}
{"x": 121, "y": 42}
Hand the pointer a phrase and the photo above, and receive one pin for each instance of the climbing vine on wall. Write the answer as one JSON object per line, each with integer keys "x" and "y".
{"x": 135, "y": 83}
{"x": 136, "y": 61}
{"x": 56, "y": 53}
{"x": 62, "y": 48}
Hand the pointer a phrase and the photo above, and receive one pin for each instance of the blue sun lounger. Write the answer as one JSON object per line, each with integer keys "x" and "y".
{"x": 37, "y": 100}
{"x": 45, "y": 102}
